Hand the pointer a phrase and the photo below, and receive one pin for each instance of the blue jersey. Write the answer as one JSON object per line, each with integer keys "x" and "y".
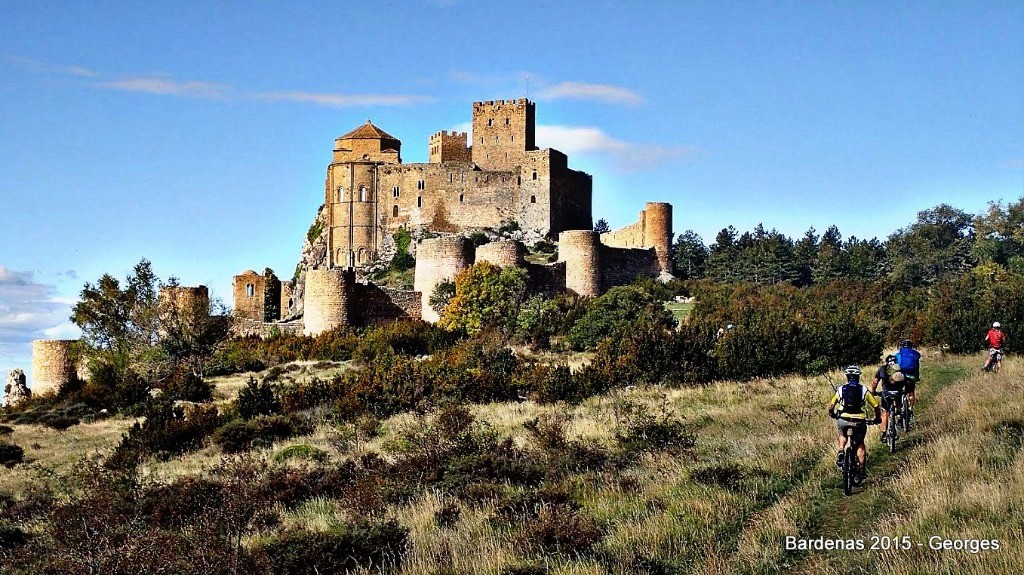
{"x": 909, "y": 360}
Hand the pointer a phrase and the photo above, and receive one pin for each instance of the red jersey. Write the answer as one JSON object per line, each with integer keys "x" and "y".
{"x": 995, "y": 338}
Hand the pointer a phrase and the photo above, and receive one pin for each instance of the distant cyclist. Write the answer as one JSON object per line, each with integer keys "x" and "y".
{"x": 853, "y": 406}
{"x": 995, "y": 338}
{"x": 909, "y": 360}
{"x": 893, "y": 383}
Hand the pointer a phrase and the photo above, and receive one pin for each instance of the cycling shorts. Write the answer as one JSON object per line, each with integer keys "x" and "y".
{"x": 891, "y": 398}
{"x": 860, "y": 428}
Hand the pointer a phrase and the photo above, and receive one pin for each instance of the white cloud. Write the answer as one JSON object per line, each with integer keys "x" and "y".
{"x": 583, "y": 91}
{"x": 167, "y": 87}
{"x": 623, "y": 155}
{"x": 29, "y": 310}
{"x": 343, "y": 100}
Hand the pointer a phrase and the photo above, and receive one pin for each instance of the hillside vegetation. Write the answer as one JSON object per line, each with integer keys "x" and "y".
{"x": 647, "y": 480}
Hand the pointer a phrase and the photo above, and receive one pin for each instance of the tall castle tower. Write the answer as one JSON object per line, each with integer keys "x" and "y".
{"x": 352, "y": 194}
{"x": 503, "y": 130}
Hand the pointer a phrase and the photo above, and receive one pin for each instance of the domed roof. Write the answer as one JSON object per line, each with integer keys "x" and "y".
{"x": 367, "y": 132}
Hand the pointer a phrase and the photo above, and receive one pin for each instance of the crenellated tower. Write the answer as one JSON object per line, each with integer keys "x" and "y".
{"x": 449, "y": 147}
{"x": 503, "y": 131}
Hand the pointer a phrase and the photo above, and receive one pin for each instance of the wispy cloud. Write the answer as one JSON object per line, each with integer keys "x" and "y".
{"x": 623, "y": 155}
{"x": 167, "y": 87}
{"x": 344, "y": 100}
{"x": 583, "y": 91}
{"x": 29, "y": 310}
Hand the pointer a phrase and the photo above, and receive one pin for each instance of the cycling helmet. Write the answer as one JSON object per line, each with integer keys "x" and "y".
{"x": 890, "y": 358}
{"x": 996, "y": 324}
{"x": 853, "y": 372}
{"x": 906, "y": 343}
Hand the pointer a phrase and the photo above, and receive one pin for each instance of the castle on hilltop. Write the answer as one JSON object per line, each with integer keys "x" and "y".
{"x": 499, "y": 180}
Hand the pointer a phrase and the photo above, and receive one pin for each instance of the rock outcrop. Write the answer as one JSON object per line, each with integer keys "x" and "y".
{"x": 16, "y": 390}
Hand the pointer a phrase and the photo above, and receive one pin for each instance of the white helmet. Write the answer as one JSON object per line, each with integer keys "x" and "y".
{"x": 996, "y": 324}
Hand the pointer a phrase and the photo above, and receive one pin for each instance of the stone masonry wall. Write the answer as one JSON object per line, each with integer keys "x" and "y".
{"x": 621, "y": 266}
{"x": 437, "y": 260}
{"x": 52, "y": 365}
{"x": 328, "y": 295}
{"x": 652, "y": 230}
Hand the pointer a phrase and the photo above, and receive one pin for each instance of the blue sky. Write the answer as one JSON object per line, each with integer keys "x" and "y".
{"x": 197, "y": 134}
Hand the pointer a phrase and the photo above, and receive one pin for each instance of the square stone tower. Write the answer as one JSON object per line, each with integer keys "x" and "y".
{"x": 503, "y": 131}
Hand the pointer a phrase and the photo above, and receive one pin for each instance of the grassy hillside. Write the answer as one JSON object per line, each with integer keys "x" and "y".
{"x": 619, "y": 500}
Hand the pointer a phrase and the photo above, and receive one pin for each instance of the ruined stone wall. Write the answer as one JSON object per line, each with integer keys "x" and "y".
{"x": 502, "y": 131}
{"x": 248, "y": 289}
{"x": 621, "y": 266}
{"x": 506, "y": 253}
{"x": 652, "y": 230}
{"x": 373, "y": 305}
{"x": 327, "y": 295}
{"x": 52, "y": 365}
{"x": 547, "y": 279}
{"x": 439, "y": 259}
{"x": 453, "y": 147}
{"x": 287, "y": 301}
{"x": 580, "y": 250}
{"x": 251, "y": 327}
{"x": 183, "y": 299}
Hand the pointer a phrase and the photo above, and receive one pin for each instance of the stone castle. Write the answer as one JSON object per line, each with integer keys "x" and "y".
{"x": 499, "y": 180}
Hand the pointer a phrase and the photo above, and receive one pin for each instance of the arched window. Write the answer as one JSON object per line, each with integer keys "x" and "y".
{"x": 535, "y": 175}
{"x": 338, "y": 195}
{"x": 506, "y": 121}
{"x": 250, "y": 290}
{"x": 396, "y": 191}
{"x": 461, "y": 198}
{"x": 533, "y": 199}
{"x": 361, "y": 255}
{"x": 364, "y": 194}
{"x": 519, "y": 180}
{"x": 490, "y": 122}
{"x": 419, "y": 201}
{"x": 394, "y": 211}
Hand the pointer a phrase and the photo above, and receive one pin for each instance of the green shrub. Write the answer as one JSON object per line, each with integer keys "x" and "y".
{"x": 367, "y": 545}
{"x": 257, "y": 399}
{"x": 301, "y": 451}
{"x": 10, "y": 454}
{"x": 183, "y": 384}
{"x": 241, "y": 435}
{"x": 167, "y": 430}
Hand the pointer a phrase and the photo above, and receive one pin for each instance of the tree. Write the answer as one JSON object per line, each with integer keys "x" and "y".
{"x": 939, "y": 245}
{"x": 689, "y": 256}
{"x": 602, "y": 226}
{"x": 121, "y": 324}
{"x": 485, "y": 295}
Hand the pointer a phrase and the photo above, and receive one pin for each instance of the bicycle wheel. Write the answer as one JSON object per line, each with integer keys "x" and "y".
{"x": 891, "y": 427}
{"x": 905, "y": 414}
{"x": 849, "y": 468}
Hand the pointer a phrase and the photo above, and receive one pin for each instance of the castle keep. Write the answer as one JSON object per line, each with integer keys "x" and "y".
{"x": 497, "y": 179}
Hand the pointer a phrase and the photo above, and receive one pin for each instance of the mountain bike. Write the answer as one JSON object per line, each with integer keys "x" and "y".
{"x": 995, "y": 360}
{"x": 898, "y": 406}
{"x": 850, "y": 464}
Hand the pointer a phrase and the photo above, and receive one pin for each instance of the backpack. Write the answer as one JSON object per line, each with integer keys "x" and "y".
{"x": 909, "y": 359}
{"x": 851, "y": 397}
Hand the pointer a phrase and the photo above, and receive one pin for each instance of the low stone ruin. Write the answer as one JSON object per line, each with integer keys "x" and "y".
{"x": 16, "y": 390}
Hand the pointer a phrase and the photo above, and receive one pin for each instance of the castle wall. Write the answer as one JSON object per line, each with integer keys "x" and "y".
{"x": 287, "y": 304}
{"x": 507, "y": 253}
{"x": 437, "y": 260}
{"x": 652, "y": 230}
{"x": 248, "y": 289}
{"x": 373, "y": 305}
{"x": 52, "y": 365}
{"x": 352, "y": 195}
{"x": 250, "y": 327}
{"x": 327, "y": 299}
{"x": 580, "y": 250}
{"x": 546, "y": 279}
{"x": 621, "y": 266}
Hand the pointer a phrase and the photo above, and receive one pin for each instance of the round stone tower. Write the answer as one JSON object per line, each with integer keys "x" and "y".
{"x": 504, "y": 254}
{"x": 581, "y": 252}
{"x": 327, "y": 298}
{"x": 658, "y": 232}
{"x": 184, "y": 299}
{"x": 52, "y": 366}
{"x": 437, "y": 260}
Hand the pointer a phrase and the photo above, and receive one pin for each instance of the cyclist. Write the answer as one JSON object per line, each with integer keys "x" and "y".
{"x": 909, "y": 360}
{"x": 852, "y": 406}
{"x": 893, "y": 385}
{"x": 994, "y": 339}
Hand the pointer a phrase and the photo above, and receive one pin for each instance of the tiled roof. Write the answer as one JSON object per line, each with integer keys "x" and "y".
{"x": 368, "y": 132}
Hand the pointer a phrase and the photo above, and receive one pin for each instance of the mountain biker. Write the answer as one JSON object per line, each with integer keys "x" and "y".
{"x": 909, "y": 360}
{"x": 893, "y": 383}
{"x": 994, "y": 339}
{"x": 852, "y": 406}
